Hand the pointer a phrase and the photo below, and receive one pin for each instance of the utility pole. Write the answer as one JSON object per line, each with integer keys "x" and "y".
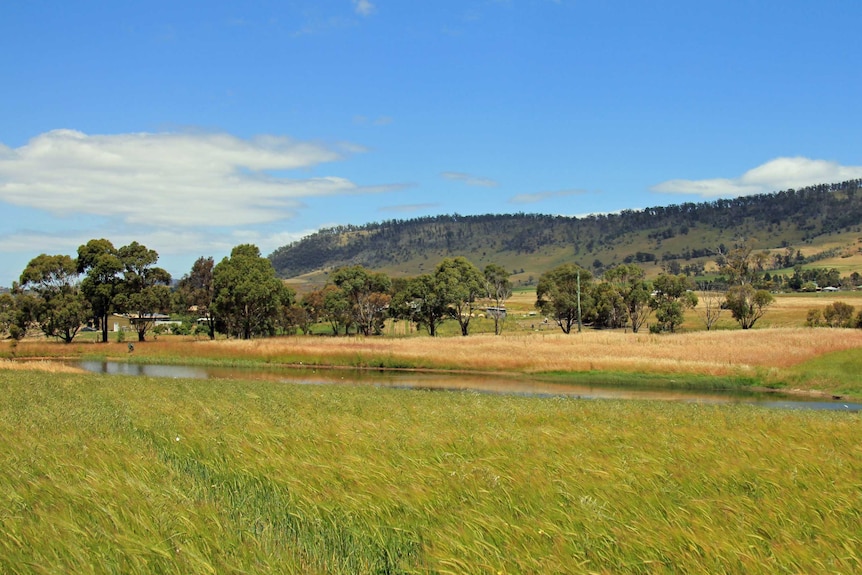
{"x": 579, "y": 301}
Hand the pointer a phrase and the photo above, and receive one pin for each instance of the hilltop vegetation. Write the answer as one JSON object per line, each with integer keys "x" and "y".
{"x": 807, "y": 221}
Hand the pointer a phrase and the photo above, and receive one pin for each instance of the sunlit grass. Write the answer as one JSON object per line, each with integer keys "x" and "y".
{"x": 762, "y": 355}
{"x": 139, "y": 475}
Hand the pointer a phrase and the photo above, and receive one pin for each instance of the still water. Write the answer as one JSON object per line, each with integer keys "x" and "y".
{"x": 495, "y": 384}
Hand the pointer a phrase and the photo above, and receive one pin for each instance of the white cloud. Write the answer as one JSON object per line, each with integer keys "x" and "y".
{"x": 469, "y": 179}
{"x": 775, "y": 175}
{"x": 363, "y": 7}
{"x": 541, "y": 196}
{"x": 177, "y": 248}
{"x": 168, "y": 179}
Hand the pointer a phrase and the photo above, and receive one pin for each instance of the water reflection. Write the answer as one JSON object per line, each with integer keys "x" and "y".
{"x": 117, "y": 368}
{"x": 498, "y": 384}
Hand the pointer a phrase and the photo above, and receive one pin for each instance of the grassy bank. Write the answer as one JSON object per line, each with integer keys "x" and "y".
{"x": 798, "y": 358}
{"x": 139, "y": 475}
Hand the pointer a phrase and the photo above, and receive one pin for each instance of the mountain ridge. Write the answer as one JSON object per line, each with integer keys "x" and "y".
{"x": 680, "y": 236}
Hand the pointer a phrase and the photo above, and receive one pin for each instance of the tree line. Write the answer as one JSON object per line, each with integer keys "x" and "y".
{"x": 59, "y": 295}
{"x": 242, "y": 296}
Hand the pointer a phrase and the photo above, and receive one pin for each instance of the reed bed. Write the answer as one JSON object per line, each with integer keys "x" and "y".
{"x": 775, "y": 357}
{"x": 139, "y": 475}
{"x": 708, "y": 353}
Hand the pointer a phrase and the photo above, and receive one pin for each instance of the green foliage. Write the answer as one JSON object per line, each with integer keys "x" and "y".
{"x": 688, "y": 234}
{"x": 747, "y": 304}
{"x": 814, "y": 318}
{"x": 367, "y": 295}
{"x": 59, "y": 307}
{"x": 460, "y": 284}
{"x": 672, "y": 295}
{"x": 838, "y": 314}
{"x": 633, "y": 290}
{"x": 100, "y": 261}
{"x": 144, "y": 290}
{"x": 419, "y": 300}
{"x": 611, "y": 311}
{"x": 565, "y": 294}
{"x": 195, "y": 292}
{"x": 248, "y": 295}
{"x": 8, "y": 313}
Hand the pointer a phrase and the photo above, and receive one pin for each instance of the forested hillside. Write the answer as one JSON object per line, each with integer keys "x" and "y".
{"x": 680, "y": 237}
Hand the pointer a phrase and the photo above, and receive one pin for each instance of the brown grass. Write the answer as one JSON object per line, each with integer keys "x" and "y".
{"x": 710, "y": 353}
{"x": 38, "y": 365}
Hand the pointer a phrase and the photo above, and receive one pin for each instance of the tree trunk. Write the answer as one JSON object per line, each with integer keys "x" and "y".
{"x": 104, "y": 320}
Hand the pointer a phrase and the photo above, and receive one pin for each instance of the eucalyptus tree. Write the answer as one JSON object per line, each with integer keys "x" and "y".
{"x": 195, "y": 291}
{"x": 498, "y": 288}
{"x": 747, "y": 304}
{"x": 742, "y": 268}
{"x": 611, "y": 310}
{"x": 248, "y": 295}
{"x": 712, "y": 300}
{"x": 565, "y": 294}
{"x": 59, "y": 307}
{"x": 418, "y": 300}
{"x": 8, "y": 315}
{"x": 368, "y": 295}
{"x": 672, "y": 295}
{"x": 145, "y": 289}
{"x": 630, "y": 283}
{"x": 336, "y": 309}
{"x": 101, "y": 263}
{"x": 460, "y": 285}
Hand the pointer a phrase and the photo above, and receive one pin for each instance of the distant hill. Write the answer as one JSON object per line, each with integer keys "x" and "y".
{"x": 680, "y": 237}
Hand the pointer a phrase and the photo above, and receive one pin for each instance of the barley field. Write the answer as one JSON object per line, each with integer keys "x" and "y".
{"x": 128, "y": 475}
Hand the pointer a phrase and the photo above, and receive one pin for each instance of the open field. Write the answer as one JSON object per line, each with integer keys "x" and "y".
{"x": 137, "y": 475}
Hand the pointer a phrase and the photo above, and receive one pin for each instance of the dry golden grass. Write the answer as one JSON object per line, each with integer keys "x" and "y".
{"x": 710, "y": 353}
{"x": 38, "y": 365}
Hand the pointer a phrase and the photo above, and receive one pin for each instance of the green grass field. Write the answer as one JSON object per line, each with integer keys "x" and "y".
{"x": 137, "y": 475}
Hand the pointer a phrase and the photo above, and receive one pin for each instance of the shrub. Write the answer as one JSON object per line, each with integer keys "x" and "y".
{"x": 814, "y": 318}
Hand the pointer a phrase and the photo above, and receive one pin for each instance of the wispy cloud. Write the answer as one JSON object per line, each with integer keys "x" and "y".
{"x": 363, "y": 7}
{"x": 542, "y": 196}
{"x": 168, "y": 179}
{"x": 775, "y": 175}
{"x": 469, "y": 179}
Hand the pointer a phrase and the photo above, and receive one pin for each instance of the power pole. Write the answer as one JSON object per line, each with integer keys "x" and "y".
{"x": 579, "y": 301}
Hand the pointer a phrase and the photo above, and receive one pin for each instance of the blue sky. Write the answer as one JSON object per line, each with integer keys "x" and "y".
{"x": 194, "y": 126}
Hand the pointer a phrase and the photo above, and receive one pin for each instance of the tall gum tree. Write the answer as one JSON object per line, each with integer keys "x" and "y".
{"x": 565, "y": 294}
{"x": 60, "y": 308}
{"x": 248, "y": 295}
{"x": 145, "y": 289}
{"x": 368, "y": 294}
{"x": 628, "y": 280}
{"x": 101, "y": 263}
{"x": 195, "y": 292}
{"x": 461, "y": 284}
{"x": 498, "y": 288}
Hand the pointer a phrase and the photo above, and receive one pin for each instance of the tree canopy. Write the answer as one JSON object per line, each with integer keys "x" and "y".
{"x": 248, "y": 295}
{"x": 565, "y": 294}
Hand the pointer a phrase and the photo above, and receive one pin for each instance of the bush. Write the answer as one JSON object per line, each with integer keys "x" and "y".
{"x": 814, "y": 318}
{"x": 839, "y": 314}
